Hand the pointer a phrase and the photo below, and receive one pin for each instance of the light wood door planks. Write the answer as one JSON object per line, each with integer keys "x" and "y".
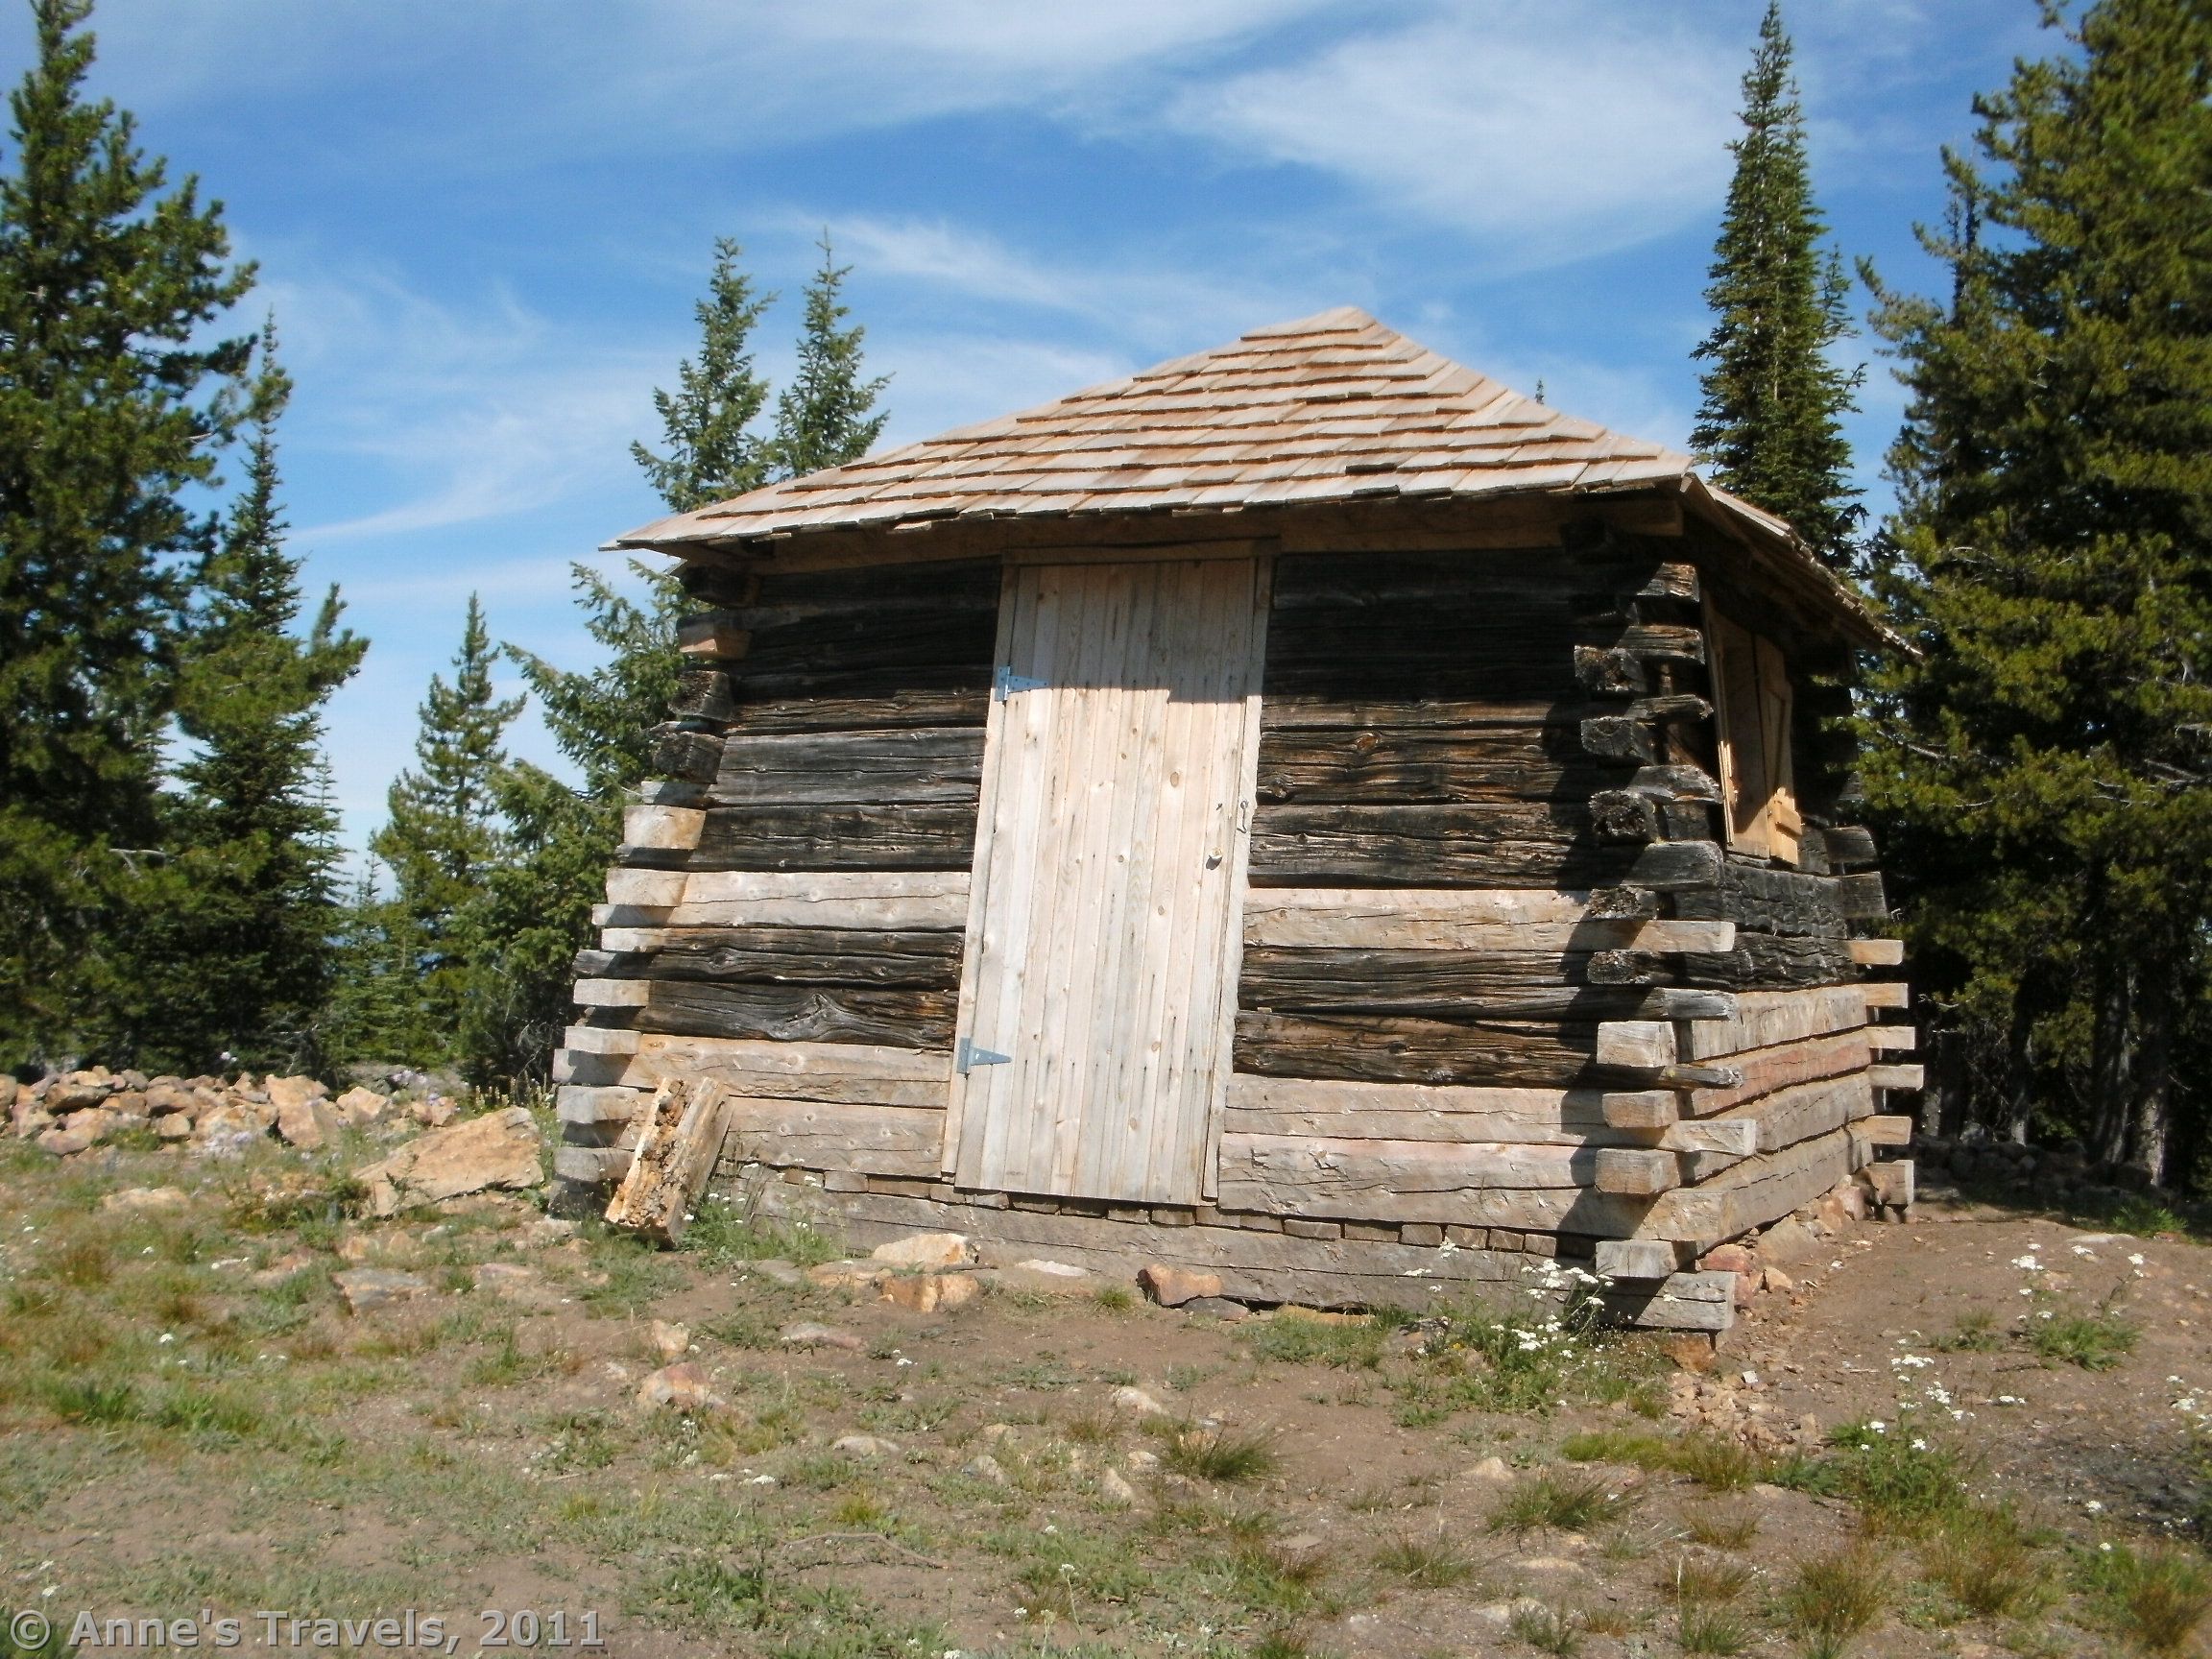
{"x": 1108, "y": 886}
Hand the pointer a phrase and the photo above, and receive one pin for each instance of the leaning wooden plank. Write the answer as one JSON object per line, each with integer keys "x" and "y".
{"x": 852, "y": 1073}
{"x": 821, "y": 1135}
{"x": 1878, "y": 953}
{"x": 1755, "y": 1191}
{"x": 1766, "y": 1070}
{"x": 1545, "y": 1188}
{"x": 680, "y": 1139}
{"x": 1637, "y": 1173}
{"x": 1765, "y": 1018}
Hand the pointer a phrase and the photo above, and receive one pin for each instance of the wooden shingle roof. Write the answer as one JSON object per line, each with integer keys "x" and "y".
{"x": 1330, "y": 408}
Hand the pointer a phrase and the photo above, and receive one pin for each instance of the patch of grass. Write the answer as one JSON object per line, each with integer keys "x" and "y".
{"x": 1991, "y": 1566}
{"x": 1693, "y": 1581}
{"x": 508, "y": 1363}
{"x": 1975, "y": 1332}
{"x": 1299, "y": 1342}
{"x": 1564, "y": 1502}
{"x": 821, "y": 1470}
{"x": 1711, "y": 1630}
{"x": 2097, "y": 1341}
{"x": 82, "y": 1264}
{"x": 1425, "y": 1563}
{"x": 99, "y": 1400}
{"x": 725, "y": 1230}
{"x": 2156, "y": 1598}
{"x": 1901, "y": 1483}
{"x": 1553, "y": 1630}
{"x": 1713, "y": 1462}
{"x": 1115, "y": 1298}
{"x": 717, "y": 1594}
{"x": 1721, "y": 1529}
{"x": 1219, "y": 1455}
{"x": 1831, "y": 1599}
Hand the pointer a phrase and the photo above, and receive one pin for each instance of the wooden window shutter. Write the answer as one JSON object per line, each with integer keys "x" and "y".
{"x": 1784, "y": 826}
{"x": 1743, "y": 733}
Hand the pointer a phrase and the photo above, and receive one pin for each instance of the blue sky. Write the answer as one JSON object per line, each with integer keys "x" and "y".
{"x": 483, "y": 224}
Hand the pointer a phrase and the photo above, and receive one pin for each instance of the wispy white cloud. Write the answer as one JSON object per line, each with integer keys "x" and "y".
{"x": 1543, "y": 134}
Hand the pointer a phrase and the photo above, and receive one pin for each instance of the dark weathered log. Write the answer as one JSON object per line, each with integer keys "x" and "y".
{"x": 1861, "y": 898}
{"x": 1454, "y": 984}
{"x": 1772, "y": 962}
{"x": 703, "y": 694}
{"x": 1406, "y": 1050}
{"x": 968, "y": 583}
{"x": 1417, "y": 846}
{"x": 687, "y": 755}
{"x": 862, "y": 767}
{"x": 1675, "y": 783}
{"x": 1675, "y": 706}
{"x": 1610, "y": 673}
{"x": 1850, "y": 848}
{"x": 926, "y": 835}
{"x": 1623, "y": 816}
{"x": 1769, "y": 902}
{"x": 800, "y": 1014}
{"x": 1383, "y": 765}
{"x": 1621, "y": 904}
{"x": 1455, "y": 716}
{"x": 792, "y": 957}
{"x": 1662, "y": 641}
{"x": 897, "y": 710}
{"x": 1618, "y": 737}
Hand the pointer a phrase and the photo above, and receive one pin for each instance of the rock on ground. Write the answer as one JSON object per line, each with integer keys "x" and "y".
{"x": 367, "y": 1288}
{"x": 682, "y": 1387}
{"x": 146, "y": 1198}
{"x": 1137, "y": 1402}
{"x": 808, "y": 1334}
{"x": 670, "y": 1341}
{"x": 925, "y": 1250}
{"x": 498, "y": 1149}
{"x": 1172, "y": 1287}
{"x": 932, "y": 1292}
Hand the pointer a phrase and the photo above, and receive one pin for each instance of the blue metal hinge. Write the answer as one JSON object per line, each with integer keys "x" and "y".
{"x": 966, "y": 1057}
{"x": 1005, "y": 682}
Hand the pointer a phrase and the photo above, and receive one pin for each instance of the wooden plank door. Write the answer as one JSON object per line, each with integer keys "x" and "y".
{"x": 1105, "y": 905}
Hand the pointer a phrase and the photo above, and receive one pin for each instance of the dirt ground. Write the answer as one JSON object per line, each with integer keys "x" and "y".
{"x": 193, "y": 1426}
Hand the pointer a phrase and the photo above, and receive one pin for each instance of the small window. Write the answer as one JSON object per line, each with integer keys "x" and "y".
{"x": 1752, "y": 688}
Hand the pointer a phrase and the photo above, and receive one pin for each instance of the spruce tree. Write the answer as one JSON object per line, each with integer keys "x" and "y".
{"x": 707, "y": 421}
{"x": 827, "y": 415}
{"x": 2047, "y": 756}
{"x": 248, "y": 930}
{"x": 1771, "y": 421}
{"x": 114, "y": 406}
{"x": 535, "y": 913}
{"x": 444, "y": 836}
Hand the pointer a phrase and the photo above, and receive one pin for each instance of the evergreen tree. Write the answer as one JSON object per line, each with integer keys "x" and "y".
{"x": 535, "y": 913}
{"x": 713, "y": 452}
{"x": 1770, "y": 423}
{"x": 114, "y": 404}
{"x": 445, "y": 837}
{"x": 254, "y": 862}
{"x": 2046, "y": 758}
{"x": 824, "y": 417}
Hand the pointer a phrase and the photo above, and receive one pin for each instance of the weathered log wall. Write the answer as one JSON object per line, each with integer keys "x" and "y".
{"x": 1503, "y": 990}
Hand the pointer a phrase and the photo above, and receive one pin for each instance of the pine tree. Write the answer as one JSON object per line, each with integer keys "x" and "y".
{"x": 246, "y": 937}
{"x": 824, "y": 417}
{"x": 114, "y": 406}
{"x": 535, "y": 913}
{"x": 1770, "y": 423}
{"x": 2046, "y": 758}
{"x": 713, "y": 452}
{"x": 444, "y": 836}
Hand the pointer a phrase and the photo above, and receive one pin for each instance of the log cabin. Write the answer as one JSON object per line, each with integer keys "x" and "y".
{"x": 1304, "y": 810}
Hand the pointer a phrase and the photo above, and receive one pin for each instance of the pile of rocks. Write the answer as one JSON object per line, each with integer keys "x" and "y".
{"x": 2054, "y": 1175}
{"x": 71, "y": 1113}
